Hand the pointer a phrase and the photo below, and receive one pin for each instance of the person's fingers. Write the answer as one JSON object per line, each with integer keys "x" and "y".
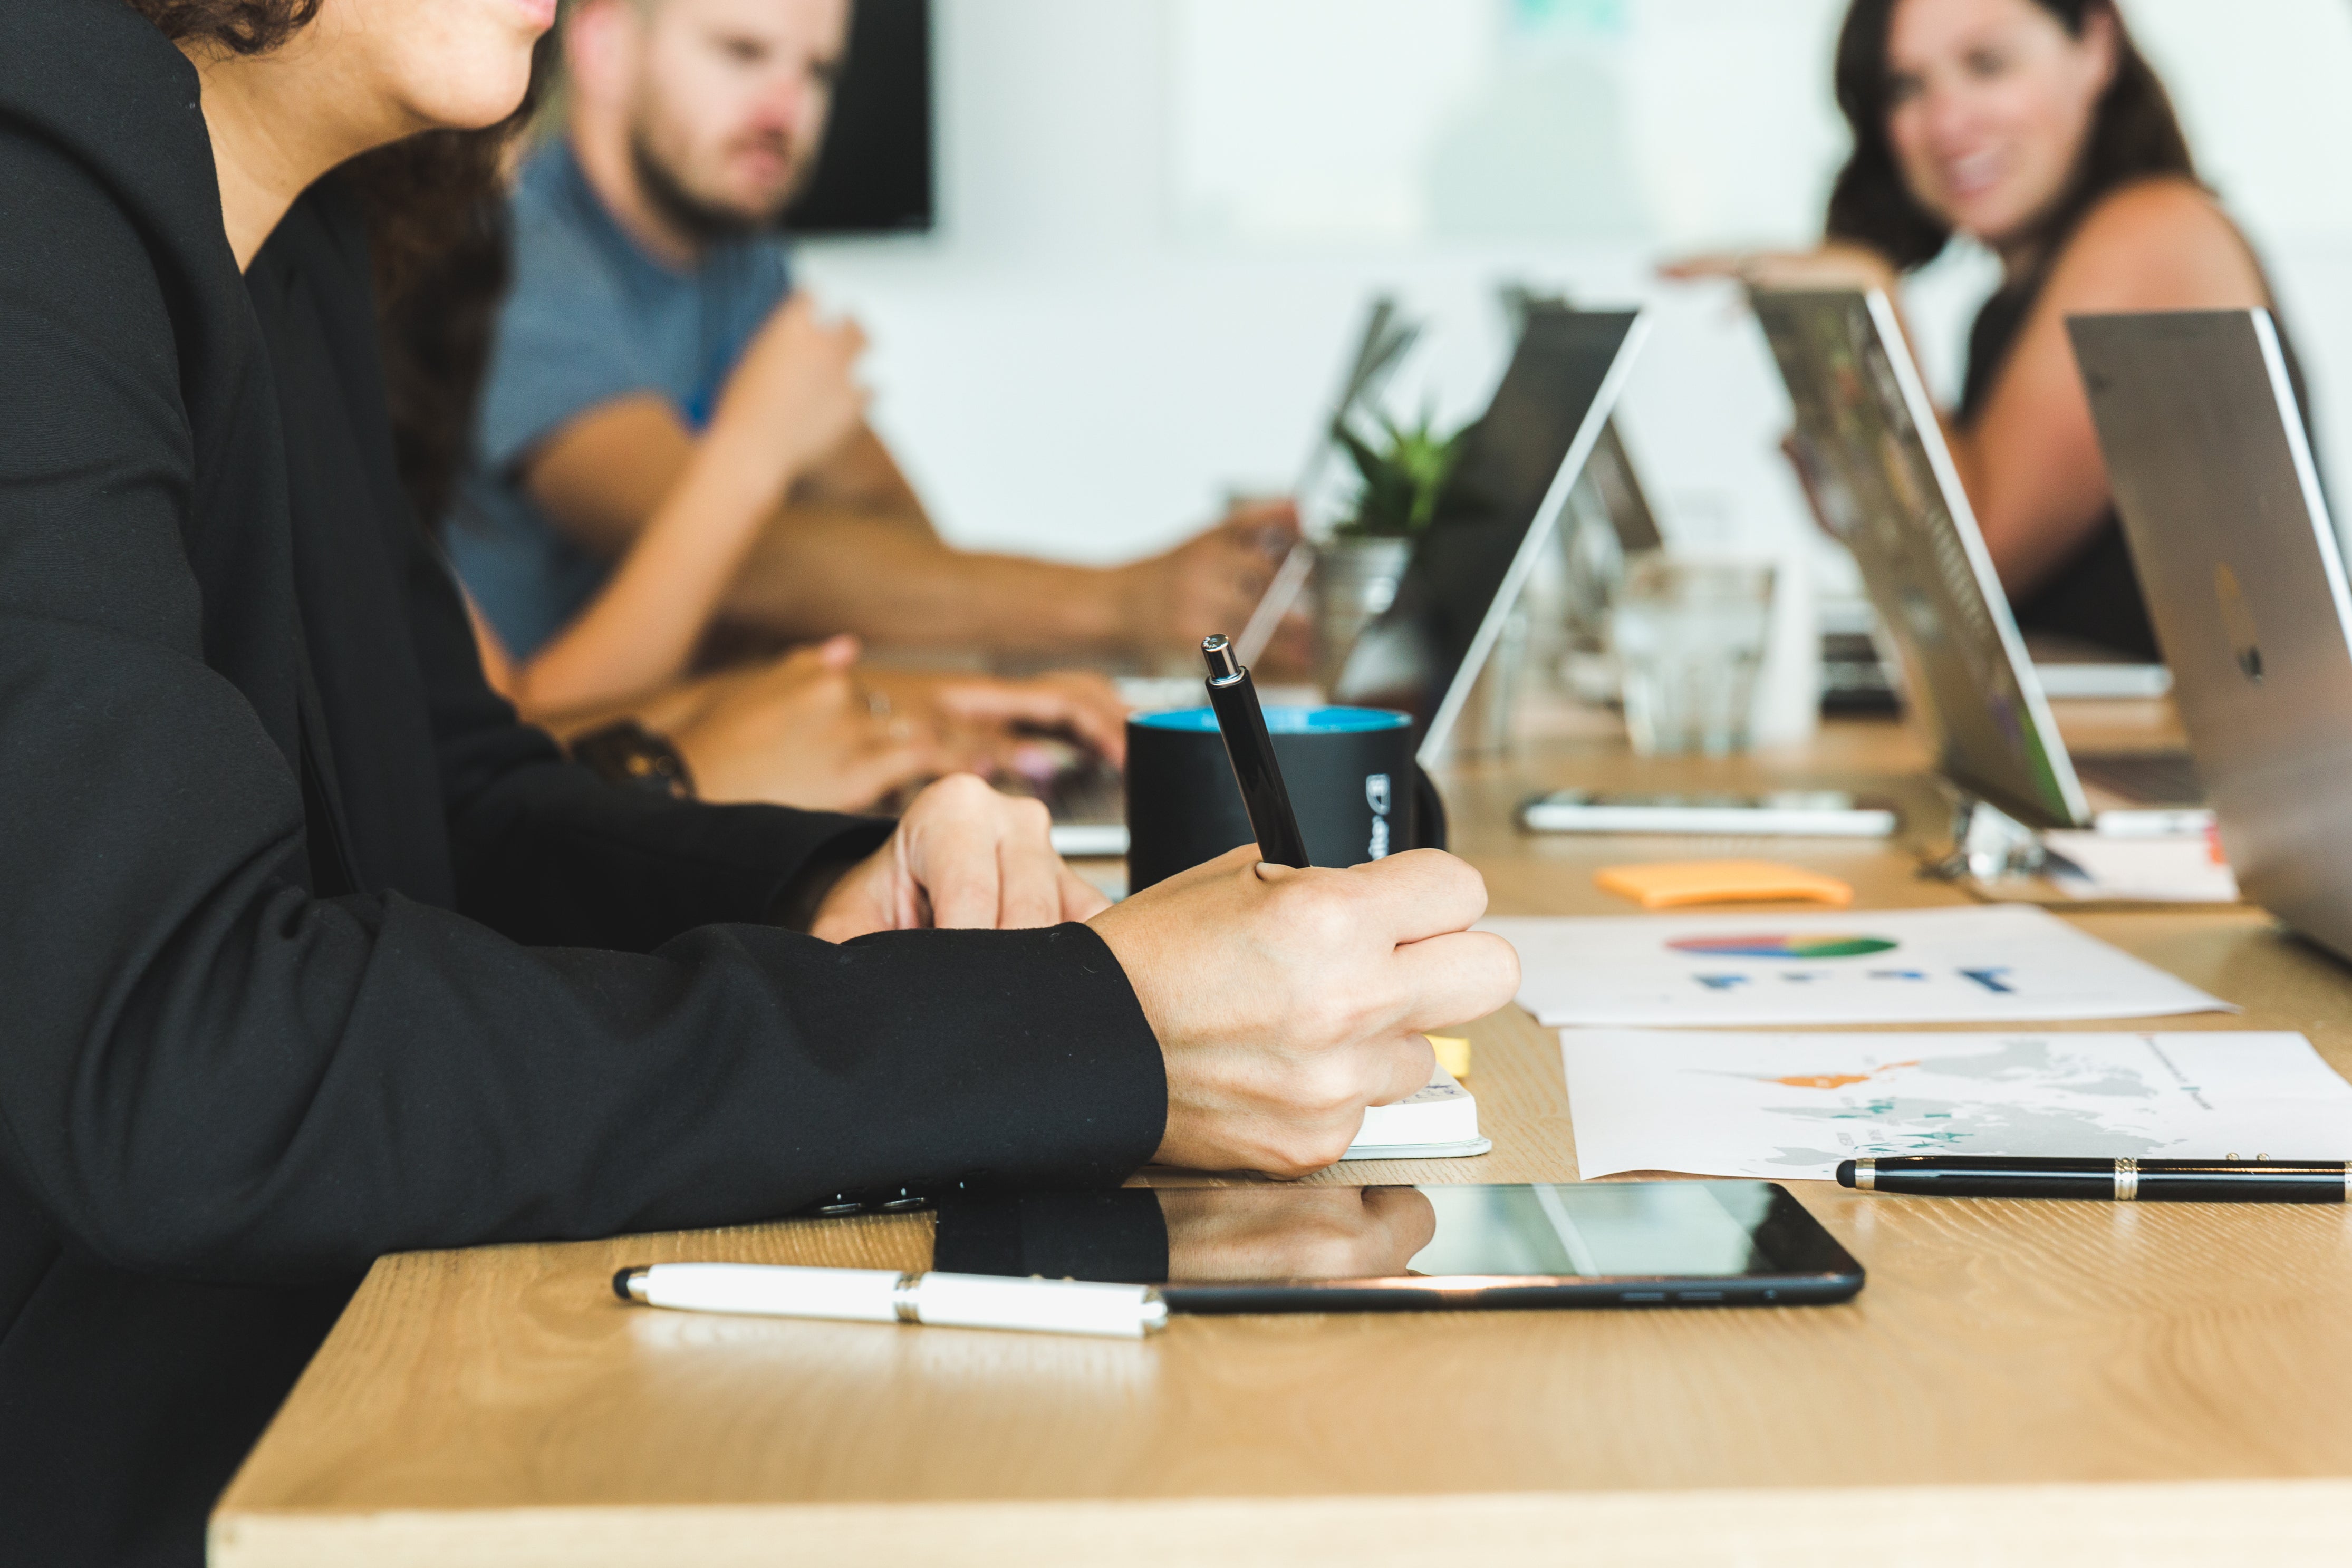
{"x": 889, "y": 765}
{"x": 861, "y": 901}
{"x": 1274, "y": 515}
{"x": 1081, "y": 900}
{"x": 1085, "y": 704}
{"x": 1406, "y": 1217}
{"x": 1028, "y": 872}
{"x": 1454, "y": 978}
{"x": 799, "y": 664}
{"x": 1405, "y": 1066}
{"x": 1419, "y": 893}
{"x": 952, "y": 839}
{"x": 838, "y": 652}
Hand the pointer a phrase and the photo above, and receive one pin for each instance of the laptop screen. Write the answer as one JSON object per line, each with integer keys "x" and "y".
{"x": 1517, "y": 464}
{"x": 1874, "y": 459}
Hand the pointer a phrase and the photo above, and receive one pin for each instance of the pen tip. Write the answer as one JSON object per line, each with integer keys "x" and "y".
{"x": 1217, "y": 653}
{"x": 620, "y": 1284}
{"x": 1845, "y": 1172}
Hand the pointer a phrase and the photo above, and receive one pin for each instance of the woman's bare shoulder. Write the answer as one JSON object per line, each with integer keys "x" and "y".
{"x": 2160, "y": 243}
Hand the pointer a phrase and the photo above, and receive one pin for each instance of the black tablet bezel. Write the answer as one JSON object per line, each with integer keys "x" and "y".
{"x": 1809, "y": 1268}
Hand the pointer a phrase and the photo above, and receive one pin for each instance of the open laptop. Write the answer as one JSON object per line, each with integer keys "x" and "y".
{"x": 1875, "y": 461}
{"x": 1517, "y": 467}
{"x": 2221, "y": 499}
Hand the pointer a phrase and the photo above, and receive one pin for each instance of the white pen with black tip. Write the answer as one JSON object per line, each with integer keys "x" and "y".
{"x": 888, "y": 1296}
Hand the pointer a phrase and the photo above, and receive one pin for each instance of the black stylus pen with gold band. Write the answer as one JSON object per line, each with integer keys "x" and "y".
{"x": 2124, "y": 1181}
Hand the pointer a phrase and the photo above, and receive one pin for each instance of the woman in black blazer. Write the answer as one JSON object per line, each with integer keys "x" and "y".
{"x": 311, "y": 953}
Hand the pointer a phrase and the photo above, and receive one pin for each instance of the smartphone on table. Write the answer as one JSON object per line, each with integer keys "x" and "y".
{"x": 1785, "y": 813}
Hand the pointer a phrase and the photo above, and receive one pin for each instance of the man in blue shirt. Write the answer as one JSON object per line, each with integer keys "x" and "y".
{"x": 647, "y": 372}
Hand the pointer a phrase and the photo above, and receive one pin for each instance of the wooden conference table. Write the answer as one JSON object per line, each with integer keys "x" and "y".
{"x": 2018, "y": 1381}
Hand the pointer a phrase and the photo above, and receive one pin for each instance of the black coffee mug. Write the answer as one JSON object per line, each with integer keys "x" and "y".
{"x": 1357, "y": 791}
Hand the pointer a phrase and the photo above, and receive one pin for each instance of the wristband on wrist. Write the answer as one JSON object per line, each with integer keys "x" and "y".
{"x": 628, "y": 754}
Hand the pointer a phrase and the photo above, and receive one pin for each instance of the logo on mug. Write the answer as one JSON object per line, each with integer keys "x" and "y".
{"x": 1376, "y": 793}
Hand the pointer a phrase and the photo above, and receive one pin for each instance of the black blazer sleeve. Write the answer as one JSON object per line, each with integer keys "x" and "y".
{"x": 208, "y": 1070}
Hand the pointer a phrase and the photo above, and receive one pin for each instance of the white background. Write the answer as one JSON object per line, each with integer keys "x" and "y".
{"x": 1160, "y": 217}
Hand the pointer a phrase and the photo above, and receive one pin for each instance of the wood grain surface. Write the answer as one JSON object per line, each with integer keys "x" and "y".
{"x": 2019, "y": 1382}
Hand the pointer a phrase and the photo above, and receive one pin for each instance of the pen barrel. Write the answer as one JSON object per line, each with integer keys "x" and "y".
{"x": 858, "y": 1295}
{"x": 1039, "y": 1306}
{"x": 2242, "y": 1181}
{"x": 2140, "y": 1181}
{"x": 1250, "y": 748}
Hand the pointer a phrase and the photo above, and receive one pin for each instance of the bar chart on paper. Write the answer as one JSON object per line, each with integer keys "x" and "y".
{"x": 1791, "y": 1106}
{"x": 1891, "y": 966}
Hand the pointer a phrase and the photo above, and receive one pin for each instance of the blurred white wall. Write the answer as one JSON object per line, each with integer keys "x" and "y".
{"x": 1161, "y": 216}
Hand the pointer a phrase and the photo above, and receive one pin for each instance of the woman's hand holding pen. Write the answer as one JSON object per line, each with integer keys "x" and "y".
{"x": 1288, "y": 1001}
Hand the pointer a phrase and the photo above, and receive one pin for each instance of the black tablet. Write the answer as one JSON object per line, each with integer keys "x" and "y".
{"x": 1282, "y": 1249}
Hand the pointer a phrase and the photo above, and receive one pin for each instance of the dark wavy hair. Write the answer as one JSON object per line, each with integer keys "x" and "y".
{"x": 438, "y": 244}
{"x": 245, "y": 26}
{"x": 2134, "y": 133}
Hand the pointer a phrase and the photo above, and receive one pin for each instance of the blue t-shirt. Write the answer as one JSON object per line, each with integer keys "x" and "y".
{"x": 592, "y": 318}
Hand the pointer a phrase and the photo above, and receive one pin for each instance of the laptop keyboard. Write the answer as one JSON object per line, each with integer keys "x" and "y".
{"x": 2146, "y": 778}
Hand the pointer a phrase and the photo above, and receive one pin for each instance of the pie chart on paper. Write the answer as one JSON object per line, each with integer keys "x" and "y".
{"x": 1804, "y": 948}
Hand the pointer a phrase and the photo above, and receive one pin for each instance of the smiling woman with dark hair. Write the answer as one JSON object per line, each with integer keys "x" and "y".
{"x": 2037, "y": 129}
{"x": 311, "y": 953}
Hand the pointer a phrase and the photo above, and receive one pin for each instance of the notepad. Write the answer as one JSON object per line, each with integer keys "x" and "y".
{"x": 1439, "y": 1122}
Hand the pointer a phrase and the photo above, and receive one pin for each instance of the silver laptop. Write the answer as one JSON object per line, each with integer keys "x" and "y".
{"x": 1494, "y": 519}
{"x": 1873, "y": 458}
{"x": 2212, "y": 471}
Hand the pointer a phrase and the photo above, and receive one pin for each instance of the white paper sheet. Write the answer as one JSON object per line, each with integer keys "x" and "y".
{"x": 1791, "y": 1106}
{"x": 2006, "y": 964}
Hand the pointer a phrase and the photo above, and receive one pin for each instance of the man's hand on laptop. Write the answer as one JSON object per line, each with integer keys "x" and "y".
{"x": 1288, "y": 1002}
{"x": 1212, "y": 582}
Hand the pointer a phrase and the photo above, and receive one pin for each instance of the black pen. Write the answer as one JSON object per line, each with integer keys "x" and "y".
{"x": 2125, "y": 1181}
{"x": 1250, "y": 751}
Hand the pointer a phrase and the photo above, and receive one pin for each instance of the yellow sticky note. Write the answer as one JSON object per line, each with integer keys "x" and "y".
{"x": 1453, "y": 1053}
{"x": 1670, "y": 883}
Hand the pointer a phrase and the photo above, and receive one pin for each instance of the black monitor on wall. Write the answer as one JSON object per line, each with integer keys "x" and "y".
{"x": 875, "y": 174}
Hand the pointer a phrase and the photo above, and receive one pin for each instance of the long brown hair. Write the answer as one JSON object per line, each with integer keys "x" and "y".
{"x": 2134, "y": 133}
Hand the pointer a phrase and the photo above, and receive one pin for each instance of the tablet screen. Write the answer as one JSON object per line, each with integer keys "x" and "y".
{"x": 1262, "y": 1248}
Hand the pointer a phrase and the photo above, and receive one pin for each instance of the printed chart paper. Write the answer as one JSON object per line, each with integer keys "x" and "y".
{"x": 2007, "y": 965}
{"x": 1791, "y": 1106}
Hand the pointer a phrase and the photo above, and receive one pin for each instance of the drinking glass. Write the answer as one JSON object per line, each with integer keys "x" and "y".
{"x": 1689, "y": 636}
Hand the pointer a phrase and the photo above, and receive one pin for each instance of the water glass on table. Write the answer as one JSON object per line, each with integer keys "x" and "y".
{"x": 1689, "y": 636}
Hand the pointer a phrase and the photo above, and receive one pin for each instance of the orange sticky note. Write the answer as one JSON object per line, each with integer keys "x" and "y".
{"x": 1669, "y": 884}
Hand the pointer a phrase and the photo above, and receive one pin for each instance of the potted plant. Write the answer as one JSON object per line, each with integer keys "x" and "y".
{"x": 1402, "y": 471}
